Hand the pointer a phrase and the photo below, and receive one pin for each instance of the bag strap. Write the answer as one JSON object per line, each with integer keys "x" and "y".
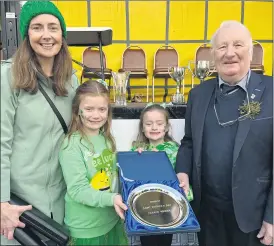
{"x": 55, "y": 110}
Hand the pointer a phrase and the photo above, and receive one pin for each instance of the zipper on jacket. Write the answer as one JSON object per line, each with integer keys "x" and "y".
{"x": 50, "y": 159}
{"x": 49, "y": 166}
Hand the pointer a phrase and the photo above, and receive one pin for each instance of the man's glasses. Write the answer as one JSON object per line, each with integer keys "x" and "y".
{"x": 231, "y": 122}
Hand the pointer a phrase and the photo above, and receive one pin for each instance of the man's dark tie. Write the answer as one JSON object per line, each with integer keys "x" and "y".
{"x": 227, "y": 89}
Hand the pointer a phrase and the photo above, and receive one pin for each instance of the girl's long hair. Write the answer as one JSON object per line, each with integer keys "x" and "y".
{"x": 142, "y": 140}
{"x": 91, "y": 88}
{"x": 26, "y": 66}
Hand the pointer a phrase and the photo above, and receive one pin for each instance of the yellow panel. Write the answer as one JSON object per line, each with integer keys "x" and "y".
{"x": 147, "y": 20}
{"x": 186, "y": 20}
{"x": 268, "y": 58}
{"x": 110, "y": 14}
{"x": 114, "y": 54}
{"x": 258, "y": 19}
{"x": 74, "y": 12}
{"x": 220, "y": 11}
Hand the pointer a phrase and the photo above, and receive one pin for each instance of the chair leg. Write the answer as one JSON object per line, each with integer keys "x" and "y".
{"x": 153, "y": 88}
{"x": 192, "y": 81}
{"x": 114, "y": 91}
{"x": 109, "y": 81}
{"x": 109, "y": 86}
{"x": 166, "y": 90}
{"x": 128, "y": 90}
{"x": 183, "y": 86}
{"x": 147, "y": 88}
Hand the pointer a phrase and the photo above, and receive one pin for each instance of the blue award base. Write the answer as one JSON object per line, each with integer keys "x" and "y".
{"x": 150, "y": 188}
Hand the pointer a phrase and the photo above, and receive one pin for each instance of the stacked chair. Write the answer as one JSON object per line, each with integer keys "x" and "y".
{"x": 165, "y": 57}
{"x": 258, "y": 58}
{"x": 134, "y": 60}
{"x": 91, "y": 59}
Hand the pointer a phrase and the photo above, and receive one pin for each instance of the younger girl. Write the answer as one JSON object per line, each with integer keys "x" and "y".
{"x": 153, "y": 135}
{"x": 154, "y": 132}
{"x": 92, "y": 204}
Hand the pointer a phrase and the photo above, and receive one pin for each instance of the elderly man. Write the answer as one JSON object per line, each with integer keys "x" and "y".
{"x": 227, "y": 151}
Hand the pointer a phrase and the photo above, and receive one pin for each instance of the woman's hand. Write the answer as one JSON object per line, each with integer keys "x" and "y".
{"x": 119, "y": 206}
{"x": 10, "y": 218}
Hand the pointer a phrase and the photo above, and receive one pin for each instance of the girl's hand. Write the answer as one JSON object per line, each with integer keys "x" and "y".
{"x": 140, "y": 150}
{"x": 119, "y": 206}
{"x": 10, "y": 218}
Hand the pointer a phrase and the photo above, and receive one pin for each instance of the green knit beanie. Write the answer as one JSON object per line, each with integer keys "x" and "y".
{"x": 33, "y": 8}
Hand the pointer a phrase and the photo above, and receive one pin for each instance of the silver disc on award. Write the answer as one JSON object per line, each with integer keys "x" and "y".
{"x": 158, "y": 205}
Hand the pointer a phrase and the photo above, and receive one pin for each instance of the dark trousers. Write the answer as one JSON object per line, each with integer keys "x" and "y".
{"x": 156, "y": 240}
{"x": 220, "y": 228}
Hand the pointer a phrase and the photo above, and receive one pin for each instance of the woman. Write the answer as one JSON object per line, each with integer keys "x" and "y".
{"x": 31, "y": 133}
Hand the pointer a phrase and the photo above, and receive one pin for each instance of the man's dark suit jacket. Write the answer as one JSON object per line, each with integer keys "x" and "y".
{"x": 252, "y": 174}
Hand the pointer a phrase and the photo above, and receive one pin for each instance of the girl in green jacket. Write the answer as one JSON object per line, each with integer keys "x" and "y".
{"x": 154, "y": 132}
{"x": 154, "y": 136}
{"x": 87, "y": 157}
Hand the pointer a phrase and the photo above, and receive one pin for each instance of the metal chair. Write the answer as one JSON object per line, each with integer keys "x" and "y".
{"x": 203, "y": 53}
{"x": 257, "y": 58}
{"x": 91, "y": 59}
{"x": 166, "y": 56}
{"x": 134, "y": 60}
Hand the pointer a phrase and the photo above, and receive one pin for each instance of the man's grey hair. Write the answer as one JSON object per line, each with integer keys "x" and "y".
{"x": 230, "y": 23}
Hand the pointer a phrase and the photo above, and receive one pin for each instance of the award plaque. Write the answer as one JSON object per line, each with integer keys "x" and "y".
{"x": 158, "y": 205}
{"x": 150, "y": 189}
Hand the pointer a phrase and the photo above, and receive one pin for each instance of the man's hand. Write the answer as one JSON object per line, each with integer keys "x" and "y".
{"x": 184, "y": 181}
{"x": 10, "y": 218}
{"x": 266, "y": 233}
{"x": 119, "y": 206}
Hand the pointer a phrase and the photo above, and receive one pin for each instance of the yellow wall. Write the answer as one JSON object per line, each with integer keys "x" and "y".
{"x": 147, "y": 25}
